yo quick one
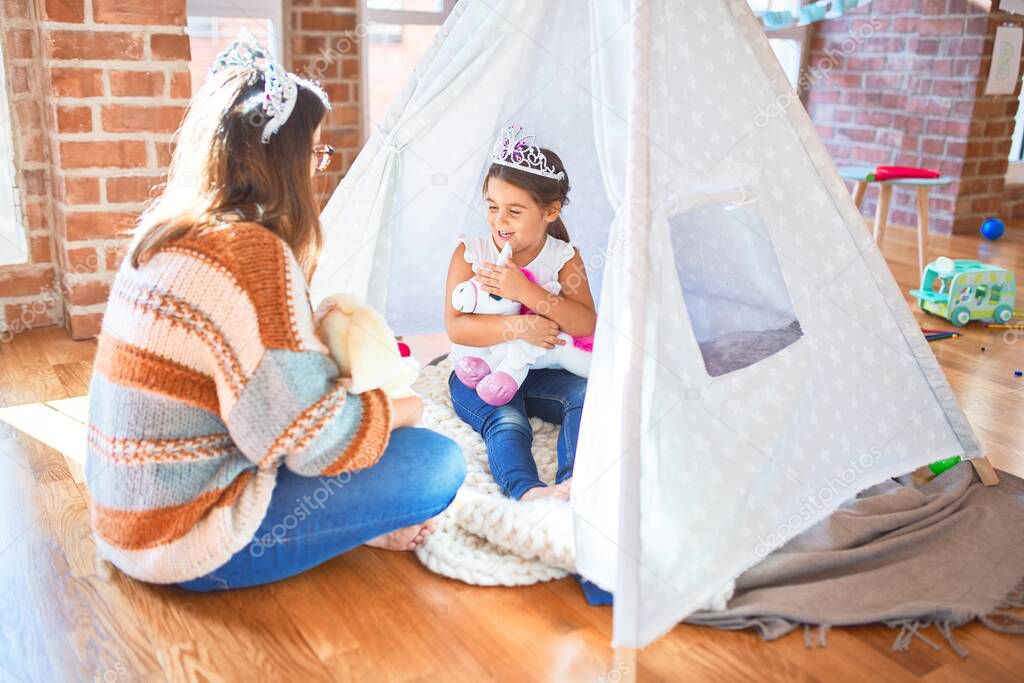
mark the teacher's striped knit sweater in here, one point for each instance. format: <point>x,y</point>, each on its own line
<point>208,376</point>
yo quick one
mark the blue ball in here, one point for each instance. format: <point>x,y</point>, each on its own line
<point>993,228</point>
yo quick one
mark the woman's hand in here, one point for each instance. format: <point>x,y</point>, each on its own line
<point>508,282</point>
<point>534,329</point>
<point>406,411</point>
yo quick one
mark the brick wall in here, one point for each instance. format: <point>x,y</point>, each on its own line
<point>905,87</point>
<point>322,43</point>
<point>113,85</point>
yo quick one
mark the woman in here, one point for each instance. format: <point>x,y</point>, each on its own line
<point>224,449</point>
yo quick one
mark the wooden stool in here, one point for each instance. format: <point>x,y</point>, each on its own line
<point>859,175</point>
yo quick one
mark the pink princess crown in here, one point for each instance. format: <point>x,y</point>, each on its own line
<point>516,149</point>
<point>280,87</point>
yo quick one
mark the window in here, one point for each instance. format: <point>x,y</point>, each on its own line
<point>979,295</point>
<point>787,43</point>
<point>735,294</point>
<point>1015,171</point>
<point>213,24</point>
<point>996,295</point>
<point>13,248</point>
<point>399,33</point>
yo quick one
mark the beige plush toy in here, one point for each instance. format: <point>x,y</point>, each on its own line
<point>364,347</point>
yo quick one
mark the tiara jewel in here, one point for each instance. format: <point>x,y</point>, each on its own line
<point>280,87</point>
<point>516,149</point>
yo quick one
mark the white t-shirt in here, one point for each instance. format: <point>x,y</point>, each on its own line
<point>480,249</point>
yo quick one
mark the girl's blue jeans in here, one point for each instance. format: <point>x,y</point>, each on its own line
<point>552,395</point>
<point>312,519</point>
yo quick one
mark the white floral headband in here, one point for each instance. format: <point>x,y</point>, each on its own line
<point>280,87</point>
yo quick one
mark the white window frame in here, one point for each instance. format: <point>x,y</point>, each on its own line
<point>251,9</point>
<point>388,16</point>
<point>12,224</point>
<point>1015,169</point>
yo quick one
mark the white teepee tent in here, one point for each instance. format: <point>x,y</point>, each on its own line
<point>705,207</point>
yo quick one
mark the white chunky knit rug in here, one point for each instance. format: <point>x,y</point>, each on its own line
<point>485,538</point>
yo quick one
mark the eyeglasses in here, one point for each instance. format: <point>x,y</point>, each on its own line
<point>323,153</point>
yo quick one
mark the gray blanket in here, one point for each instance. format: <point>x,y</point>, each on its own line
<point>937,554</point>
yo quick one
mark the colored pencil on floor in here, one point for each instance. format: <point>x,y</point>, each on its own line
<point>937,337</point>
<point>929,331</point>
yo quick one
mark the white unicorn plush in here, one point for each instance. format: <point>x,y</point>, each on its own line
<point>499,370</point>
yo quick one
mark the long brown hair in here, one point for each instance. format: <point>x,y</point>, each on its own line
<point>545,191</point>
<point>221,173</point>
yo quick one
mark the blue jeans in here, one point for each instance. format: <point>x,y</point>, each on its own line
<point>312,519</point>
<point>552,395</point>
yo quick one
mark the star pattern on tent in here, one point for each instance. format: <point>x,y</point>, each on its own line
<point>773,430</point>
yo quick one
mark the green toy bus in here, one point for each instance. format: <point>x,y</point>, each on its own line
<point>963,290</point>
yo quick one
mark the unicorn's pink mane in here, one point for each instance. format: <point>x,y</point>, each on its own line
<point>582,343</point>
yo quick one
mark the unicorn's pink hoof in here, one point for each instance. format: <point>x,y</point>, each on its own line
<point>497,388</point>
<point>471,369</point>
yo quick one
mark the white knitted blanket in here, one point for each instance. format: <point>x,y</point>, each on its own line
<point>484,537</point>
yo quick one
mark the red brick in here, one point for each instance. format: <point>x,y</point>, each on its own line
<point>884,81</point>
<point>952,128</point>
<point>163,153</point>
<point>308,45</point>
<point>164,12</point>
<point>34,181</point>
<point>170,46</point>
<point>338,92</point>
<point>83,260</point>
<point>181,85</point>
<point>32,147</point>
<point>83,292</point>
<point>84,225</point>
<point>35,216</point>
<point>858,134</point>
<point>39,248</point>
<point>350,68</point>
<point>952,88</point>
<point>20,81</point>
<point>950,26</point>
<point>26,282</point>
<point>40,313</point>
<point>120,118</point>
<point>72,11</point>
<point>344,115</point>
<point>85,325</point>
<point>18,43</point>
<point>103,154</point>
<point>28,115</point>
<point>94,45</point>
<point>78,190</point>
<point>17,9</point>
<point>327,21</point>
<point>76,82</point>
<point>134,189</point>
<point>114,257</point>
<point>933,145</point>
<point>136,83</point>
<point>74,119</point>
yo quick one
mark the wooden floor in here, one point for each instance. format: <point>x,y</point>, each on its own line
<point>372,615</point>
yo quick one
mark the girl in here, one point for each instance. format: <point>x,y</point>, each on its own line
<point>224,449</point>
<point>525,189</point>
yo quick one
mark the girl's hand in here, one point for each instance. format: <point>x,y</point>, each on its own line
<point>506,281</point>
<point>534,329</point>
<point>406,411</point>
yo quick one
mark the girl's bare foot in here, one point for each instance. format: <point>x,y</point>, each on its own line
<point>558,491</point>
<point>409,538</point>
